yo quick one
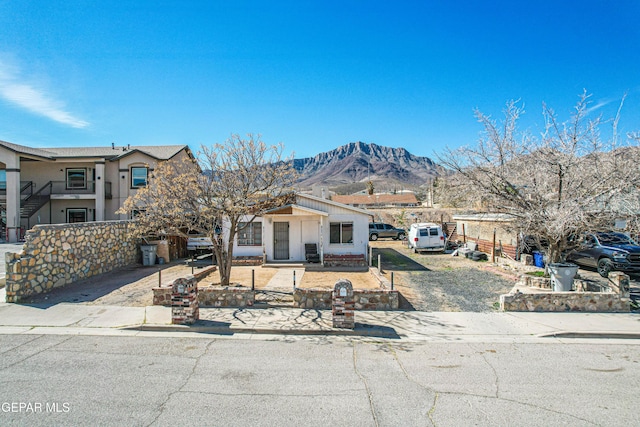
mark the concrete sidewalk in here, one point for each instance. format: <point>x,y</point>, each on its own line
<point>70,318</point>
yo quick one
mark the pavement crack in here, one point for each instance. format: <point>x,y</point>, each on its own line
<point>530,405</point>
<point>366,385</point>
<point>496,380</point>
<point>35,337</point>
<point>36,353</point>
<point>432,410</point>
<point>178,389</point>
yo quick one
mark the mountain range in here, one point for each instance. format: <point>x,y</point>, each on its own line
<point>361,162</point>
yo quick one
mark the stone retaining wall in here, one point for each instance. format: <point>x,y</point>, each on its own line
<point>211,297</point>
<point>60,254</point>
<point>565,301</point>
<point>364,299</point>
<point>612,299</point>
<point>247,260</point>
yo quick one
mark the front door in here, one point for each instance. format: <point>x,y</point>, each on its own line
<point>280,240</point>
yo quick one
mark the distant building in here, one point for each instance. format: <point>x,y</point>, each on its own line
<point>80,184</point>
<point>378,200</point>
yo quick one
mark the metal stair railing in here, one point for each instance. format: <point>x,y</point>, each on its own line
<point>35,201</point>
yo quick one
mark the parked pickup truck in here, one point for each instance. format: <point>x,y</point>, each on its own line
<point>607,252</point>
<point>199,244</point>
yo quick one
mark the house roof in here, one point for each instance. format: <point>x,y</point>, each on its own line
<point>21,149</point>
<point>376,199</point>
<point>294,210</point>
<point>334,203</point>
<point>485,216</point>
<point>158,152</point>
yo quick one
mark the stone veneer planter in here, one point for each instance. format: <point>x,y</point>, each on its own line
<point>211,296</point>
<point>612,299</point>
<point>60,254</point>
<point>364,299</point>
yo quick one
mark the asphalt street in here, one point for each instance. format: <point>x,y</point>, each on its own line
<point>313,381</point>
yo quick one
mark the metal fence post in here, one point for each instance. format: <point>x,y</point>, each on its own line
<point>379,264</point>
<point>392,280</point>
<point>253,279</point>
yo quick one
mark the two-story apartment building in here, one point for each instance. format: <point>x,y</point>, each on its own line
<point>60,185</point>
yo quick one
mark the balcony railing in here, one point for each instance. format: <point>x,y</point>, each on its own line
<point>59,187</point>
<point>88,187</point>
<point>26,188</point>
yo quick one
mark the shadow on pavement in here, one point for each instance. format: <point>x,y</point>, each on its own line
<point>404,304</point>
<point>95,287</point>
<point>394,260</point>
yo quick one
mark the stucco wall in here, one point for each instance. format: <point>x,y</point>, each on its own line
<point>57,255</point>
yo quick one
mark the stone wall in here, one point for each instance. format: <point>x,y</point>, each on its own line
<point>586,296</point>
<point>565,301</point>
<point>60,254</point>
<point>211,296</point>
<point>364,299</point>
<point>247,260</point>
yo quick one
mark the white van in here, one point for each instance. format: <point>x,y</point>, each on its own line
<point>426,237</point>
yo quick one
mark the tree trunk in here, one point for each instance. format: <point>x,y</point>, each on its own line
<point>228,263</point>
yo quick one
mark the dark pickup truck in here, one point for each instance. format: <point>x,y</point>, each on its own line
<point>607,252</point>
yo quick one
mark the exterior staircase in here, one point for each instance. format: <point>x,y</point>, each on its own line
<point>30,202</point>
<point>35,201</point>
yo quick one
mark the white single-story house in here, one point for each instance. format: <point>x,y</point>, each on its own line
<point>280,234</point>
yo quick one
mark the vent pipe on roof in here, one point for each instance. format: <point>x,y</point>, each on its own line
<point>113,145</point>
<point>128,146</point>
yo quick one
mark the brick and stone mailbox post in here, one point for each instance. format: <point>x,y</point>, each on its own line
<point>184,301</point>
<point>342,305</point>
<point>619,283</point>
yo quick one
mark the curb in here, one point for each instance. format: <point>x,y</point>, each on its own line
<point>359,331</point>
<point>605,335</point>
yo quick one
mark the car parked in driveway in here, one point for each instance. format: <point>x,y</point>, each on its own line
<point>199,244</point>
<point>426,237</point>
<point>379,230</point>
<point>607,252</point>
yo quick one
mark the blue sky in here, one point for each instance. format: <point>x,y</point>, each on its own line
<point>313,75</point>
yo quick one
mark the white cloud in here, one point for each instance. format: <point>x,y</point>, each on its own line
<point>32,99</point>
<point>599,105</point>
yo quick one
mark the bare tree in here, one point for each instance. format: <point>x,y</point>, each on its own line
<point>217,195</point>
<point>370,188</point>
<point>561,184</point>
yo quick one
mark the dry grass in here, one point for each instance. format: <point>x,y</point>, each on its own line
<point>242,275</point>
<point>327,279</point>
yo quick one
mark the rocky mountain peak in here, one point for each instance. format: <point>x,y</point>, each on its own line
<point>360,161</point>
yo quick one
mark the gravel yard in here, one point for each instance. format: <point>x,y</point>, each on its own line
<point>440,282</point>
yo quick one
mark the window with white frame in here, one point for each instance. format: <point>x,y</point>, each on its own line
<point>341,233</point>
<point>139,175</point>
<point>250,234</point>
<point>76,179</point>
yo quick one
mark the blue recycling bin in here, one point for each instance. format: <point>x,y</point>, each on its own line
<point>538,259</point>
